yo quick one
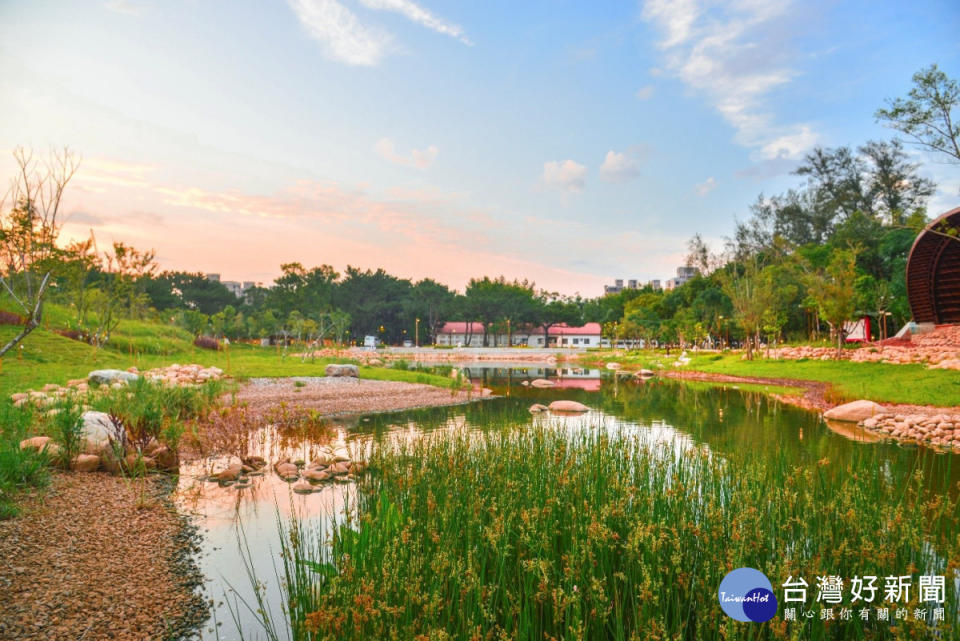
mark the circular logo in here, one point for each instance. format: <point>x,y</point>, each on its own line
<point>747,595</point>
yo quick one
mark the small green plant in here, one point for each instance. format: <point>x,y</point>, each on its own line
<point>67,427</point>
<point>19,469</point>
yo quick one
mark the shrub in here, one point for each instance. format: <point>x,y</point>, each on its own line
<point>206,342</point>
<point>72,334</point>
<point>9,318</point>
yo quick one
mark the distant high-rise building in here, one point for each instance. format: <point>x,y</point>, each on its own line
<point>239,289</point>
<point>618,286</point>
<point>684,273</point>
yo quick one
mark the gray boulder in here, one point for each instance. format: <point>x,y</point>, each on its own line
<point>342,370</point>
<point>108,376</point>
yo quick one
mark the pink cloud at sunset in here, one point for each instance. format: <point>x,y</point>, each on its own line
<point>413,233</point>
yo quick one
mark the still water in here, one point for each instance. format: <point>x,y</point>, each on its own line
<point>240,525</point>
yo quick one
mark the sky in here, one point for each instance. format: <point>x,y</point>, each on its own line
<point>566,143</point>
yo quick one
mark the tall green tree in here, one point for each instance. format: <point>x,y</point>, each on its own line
<point>926,116</point>
<point>432,303</point>
<point>833,288</point>
<point>743,286</point>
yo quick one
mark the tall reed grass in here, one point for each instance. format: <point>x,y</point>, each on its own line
<point>541,533</point>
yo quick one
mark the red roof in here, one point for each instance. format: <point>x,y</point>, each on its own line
<point>590,329</point>
<point>460,327</point>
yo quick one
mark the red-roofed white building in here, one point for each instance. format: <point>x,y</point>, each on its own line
<point>470,334</point>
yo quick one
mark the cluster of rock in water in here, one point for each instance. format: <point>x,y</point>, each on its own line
<point>331,464</point>
<point>939,349</point>
<point>941,429</point>
<point>99,434</point>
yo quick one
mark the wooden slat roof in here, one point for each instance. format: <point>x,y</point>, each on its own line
<point>933,271</point>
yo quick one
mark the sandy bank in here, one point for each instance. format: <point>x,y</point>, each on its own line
<point>334,396</point>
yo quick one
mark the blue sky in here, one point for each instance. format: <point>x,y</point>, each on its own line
<point>565,142</point>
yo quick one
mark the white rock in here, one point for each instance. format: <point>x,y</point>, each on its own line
<point>568,406</point>
<point>542,383</point>
<point>855,412</point>
<point>97,431</point>
<point>107,376</point>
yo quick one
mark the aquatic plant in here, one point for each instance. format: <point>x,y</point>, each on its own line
<point>546,533</point>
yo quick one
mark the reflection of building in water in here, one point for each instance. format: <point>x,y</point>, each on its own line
<point>470,334</point>
<point>562,377</point>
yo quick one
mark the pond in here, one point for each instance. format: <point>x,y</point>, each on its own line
<point>239,527</point>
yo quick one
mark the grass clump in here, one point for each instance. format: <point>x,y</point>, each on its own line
<point>543,534</point>
<point>19,469</point>
<point>150,410</point>
<point>67,428</point>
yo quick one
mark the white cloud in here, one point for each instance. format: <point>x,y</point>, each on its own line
<point>706,186</point>
<point>421,16</point>
<point>618,166</point>
<point>124,6</point>
<point>418,158</point>
<point>675,17</point>
<point>342,36</point>
<point>645,93</point>
<point>733,54</point>
<point>345,39</point>
<point>791,145</point>
<point>564,175</point>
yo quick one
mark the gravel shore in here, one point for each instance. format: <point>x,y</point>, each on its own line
<point>333,396</point>
<point>98,557</point>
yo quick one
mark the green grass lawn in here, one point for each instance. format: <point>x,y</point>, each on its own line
<point>879,382</point>
<point>47,357</point>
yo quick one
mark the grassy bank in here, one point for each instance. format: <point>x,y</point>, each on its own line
<point>536,534</point>
<point>47,357</point>
<point>880,382</point>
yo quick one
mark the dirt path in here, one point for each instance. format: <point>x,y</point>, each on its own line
<point>97,557</point>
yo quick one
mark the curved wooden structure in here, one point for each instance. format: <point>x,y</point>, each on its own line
<point>933,271</point>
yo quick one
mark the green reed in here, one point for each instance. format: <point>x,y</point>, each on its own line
<point>540,533</point>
